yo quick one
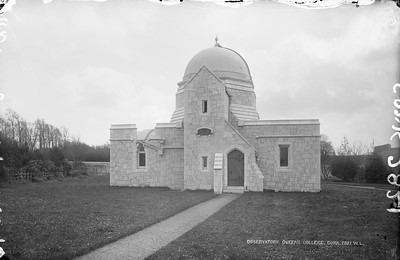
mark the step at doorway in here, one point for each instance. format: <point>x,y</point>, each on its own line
<point>233,189</point>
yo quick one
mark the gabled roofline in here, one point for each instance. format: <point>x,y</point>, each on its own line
<point>215,76</point>
<point>241,136</point>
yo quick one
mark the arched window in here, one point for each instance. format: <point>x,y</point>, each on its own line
<point>204,131</point>
<point>141,156</point>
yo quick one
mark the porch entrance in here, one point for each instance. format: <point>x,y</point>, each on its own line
<point>236,168</point>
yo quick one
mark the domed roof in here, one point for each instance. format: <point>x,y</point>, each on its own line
<point>222,61</point>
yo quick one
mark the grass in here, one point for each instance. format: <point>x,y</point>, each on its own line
<point>385,185</point>
<point>336,214</point>
<point>65,219</point>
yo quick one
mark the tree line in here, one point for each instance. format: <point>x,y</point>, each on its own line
<point>42,146</point>
<point>36,135</point>
<point>352,162</point>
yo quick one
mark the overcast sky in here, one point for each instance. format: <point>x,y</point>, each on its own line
<point>87,65</point>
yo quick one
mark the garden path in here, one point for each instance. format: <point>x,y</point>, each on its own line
<point>147,241</point>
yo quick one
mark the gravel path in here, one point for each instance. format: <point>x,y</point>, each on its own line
<point>155,237</point>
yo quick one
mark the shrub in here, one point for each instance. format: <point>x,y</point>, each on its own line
<point>344,168</point>
<point>33,166</point>
<point>38,179</point>
<point>37,168</point>
<point>376,170</point>
<point>4,175</point>
<point>66,168</point>
<point>79,172</point>
<point>55,155</point>
<point>49,166</point>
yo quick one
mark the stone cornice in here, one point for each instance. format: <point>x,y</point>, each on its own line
<point>169,125</point>
<point>122,139</point>
<point>123,126</point>
<point>279,122</point>
<point>286,136</point>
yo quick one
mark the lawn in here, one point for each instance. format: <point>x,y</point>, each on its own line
<point>64,219</point>
<point>338,223</point>
<point>386,185</point>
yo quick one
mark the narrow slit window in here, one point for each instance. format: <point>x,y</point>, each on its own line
<point>204,106</point>
<point>284,156</point>
<point>142,156</point>
<point>204,162</point>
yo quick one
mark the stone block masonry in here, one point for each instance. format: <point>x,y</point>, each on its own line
<point>215,139</point>
<point>122,153</point>
<point>97,167</point>
<point>303,141</point>
<point>224,138</point>
<point>164,158</point>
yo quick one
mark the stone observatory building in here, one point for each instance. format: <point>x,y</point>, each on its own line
<point>215,139</point>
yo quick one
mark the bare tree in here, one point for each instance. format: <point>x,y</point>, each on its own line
<point>327,152</point>
<point>344,148</point>
<point>12,117</point>
<point>64,135</point>
<point>48,135</point>
<point>40,127</point>
<point>24,139</point>
<point>4,126</point>
<point>32,135</point>
<point>360,148</point>
<point>16,126</point>
<point>57,137</point>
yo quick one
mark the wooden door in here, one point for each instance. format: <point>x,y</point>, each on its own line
<point>236,168</point>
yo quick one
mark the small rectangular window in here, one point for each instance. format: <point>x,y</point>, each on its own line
<point>204,106</point>
<point>204,162</point>
<point>284,155</point>
<point>142,160</point>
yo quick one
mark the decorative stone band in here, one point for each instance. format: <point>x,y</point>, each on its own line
<point>123,126</point>
<point>178,115</point>
<point>169,125</point>
<point>173,147</point>
<point>218,161</point>
<point>238,82</point>
<point>240,111</point>
<point>229,83</point>
<point>238,87</point>
<point>122,139</point>
<point>220,74</point>
<point>244,112</point>
<point>286,136</point>
<point>279,122</point>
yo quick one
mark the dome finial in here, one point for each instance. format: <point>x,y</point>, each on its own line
<point>216,42</point>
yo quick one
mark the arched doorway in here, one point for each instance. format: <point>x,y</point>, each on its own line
<point>236,168</point>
